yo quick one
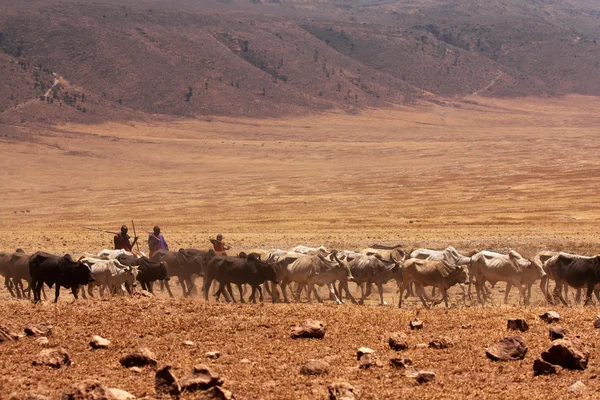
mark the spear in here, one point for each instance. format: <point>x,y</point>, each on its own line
<point>135,234</point>
<point>99,230</point>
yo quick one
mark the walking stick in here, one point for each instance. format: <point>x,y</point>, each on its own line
<point>135,234</point>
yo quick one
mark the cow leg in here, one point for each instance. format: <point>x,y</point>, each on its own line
<point>9,286</point>
<point>206,282</point>
<point>508,287</point>
<point>403,288</point>
<point>597,294</point>
<point>283,286</point>
<point>260,294</point>
<point>14,282</point>
<point>578,296</point>
<point>313,289</point>
<point>558,292</point>
<point>381,301</point>
<point>344,285</point>
<point>336,298</point>
<point>241,290</point>
<point>362,294</point>
<point>588,295</point>
<point>421,294</point>
<point>165,283</point>
<point>37,288</point>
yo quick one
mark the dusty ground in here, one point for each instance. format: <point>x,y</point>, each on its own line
<point>522,174</point>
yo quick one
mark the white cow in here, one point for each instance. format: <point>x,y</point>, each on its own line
<point>368,270</point>
<point>314,270</point>
<point>110,274</point>
<point>309,250</point>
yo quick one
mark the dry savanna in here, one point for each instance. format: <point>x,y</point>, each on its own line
<point>329,123</point>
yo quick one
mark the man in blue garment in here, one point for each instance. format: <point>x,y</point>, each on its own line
<point>156,241</point>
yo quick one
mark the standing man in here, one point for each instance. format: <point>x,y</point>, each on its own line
<point>219,245</point>
<point>156,241</point>
<point>122,241</point>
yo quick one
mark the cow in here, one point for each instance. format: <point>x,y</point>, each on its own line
<point>309,250</point>
<point>110,274</point>
<point>316,269</point>
<point>370,270</point>
<point>395,254</point>
<point>248,269</point>
<point>19,265</point>
<point>440,274</point>
<point>6,272</point>
<point>575,271</point>
<point>510,268</point>
<point>148,271</point>
<point>56,270</point>
<point>183,264</point>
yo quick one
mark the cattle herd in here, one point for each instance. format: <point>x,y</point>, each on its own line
<point>117,272</point>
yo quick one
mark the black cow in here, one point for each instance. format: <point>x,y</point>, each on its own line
<point>238,270</point>
<point>148,271</point>
<point>62,271</point>
<point>576,272</point>
<point>184,264</point>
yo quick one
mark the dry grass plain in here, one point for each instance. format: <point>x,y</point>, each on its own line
<point>490,174</point>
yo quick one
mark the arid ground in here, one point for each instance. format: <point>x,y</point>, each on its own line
<point>488,174</point>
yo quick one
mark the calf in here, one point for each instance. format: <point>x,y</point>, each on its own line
<point>148,271</point>
<point>59,271</point>
<point>439,274</point>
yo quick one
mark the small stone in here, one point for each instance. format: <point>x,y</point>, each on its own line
<point>165,382</point>
<point>137,370</point>
<point>213,355</point>
<point>42,341</point>
<point>143,293</point>
<point>202,378</point>
<point>421,376</point>
<point>398,341</point>
<point>466,326</point>
<point>315,367</point>
<point>245,361</point>
<point>415,323</point>
<point>577,387</point>
<point>518,324</point>
<point>99,342</point>
<point>342,391</point>
<point>557,332</point>
<point>118,394</point>
<point>55,358</point>
<point>216,393</point>
<point>421,345</point>
<point>550,317</point>
<point>541,367</point>
<point>443,342</point>
<point>87,390</point>
<point>597,322</point>
<point>511,348</point>
<point>362,351</point>
<point>188,343</point>
<point>309,329</point>
<point>139,358</point>
<point>369,360</point>
<point>569,353</point>
<point>39,330</point>
<point>400,363</point>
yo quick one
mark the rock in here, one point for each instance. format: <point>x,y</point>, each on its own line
<point>165,382</point>
<point>309,329</point>
<point>415,323</point>
<point>98,342</point>
<point>315,367</point>
<point>541,367</point>
<point>88,390</point>
<point>213,355</point>
<point>550,317</point>
<point>245,361</point>
<point>401,363</point>
<point>139,358</point>
<point>398,341</point>
<point>518,324</point>
<point>443,342</point>
<point>6,335</point>
<point>362,351</point>
<point>143,293</point>
<point>216,393</point>
<point>39,330</point>
<point>42,341</point>
<point>466,326</point>
<point>137,370</point>
<point>369,360</point>
<point>202,378</point>
<point>569,353</point>
<point>118,394</point>
<point>597,322</point>
<point>511,348</point>
<point>188,343</point>
<point>421,345</point>
<point>577,387</point>
<point>342,391</point>
<point>557,332</point>
<point>55,358</point>
<point>421,376</point>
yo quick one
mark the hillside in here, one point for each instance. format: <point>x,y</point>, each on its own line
<point>112,60</point>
